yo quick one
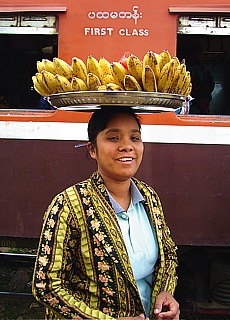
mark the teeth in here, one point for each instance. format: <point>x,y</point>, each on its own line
<point>126,159</point>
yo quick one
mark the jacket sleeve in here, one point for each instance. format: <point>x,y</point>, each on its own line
<point>55,262</point>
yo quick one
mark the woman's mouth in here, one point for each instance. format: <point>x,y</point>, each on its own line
<point>125,159</point>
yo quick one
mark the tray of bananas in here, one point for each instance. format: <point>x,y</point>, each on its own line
<point>155,83</point>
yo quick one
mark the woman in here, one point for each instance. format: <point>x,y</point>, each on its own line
<point>105,250</point>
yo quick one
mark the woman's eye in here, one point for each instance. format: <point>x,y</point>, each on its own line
<point>136,138</point>
<point>113,138</point>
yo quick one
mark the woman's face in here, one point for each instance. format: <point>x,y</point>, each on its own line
<point>119,148</point>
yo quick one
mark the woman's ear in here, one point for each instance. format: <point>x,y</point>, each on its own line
<point>91,149</point>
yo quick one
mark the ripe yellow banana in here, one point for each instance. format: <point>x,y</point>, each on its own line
<point>92,65</point>
<point>63,84</point>
<point>176,62</point>
<point>188,91</point>
<point>40,66</point>
<point>135,67</point>
<point>39,87</point>
<point>171,74</point>
<point>149,79</point>
<point>49,66</point>
<point>151,59</point>
<point>113,87</point>
<point>78,84</point>
<point>93,81</point>
<point>164,57</point>
<point>179,79</point>
<point>104,65</point>
<point>63,68</point>
<point>107,78</point>
<point>119,73</point>
<point>186,84</point>
<point>176,77</point>
<point>102,87</point>
<point>79,68</point>
<point>131,83</point>
<point>50,81</point>
<point>166,77</point>
<point>41,83</point>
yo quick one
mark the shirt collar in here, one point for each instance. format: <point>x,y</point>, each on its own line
<point>136,197</point>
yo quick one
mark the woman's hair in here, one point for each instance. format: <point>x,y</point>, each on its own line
<point>100,118</point>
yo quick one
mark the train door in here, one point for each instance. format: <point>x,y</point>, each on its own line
<point>207,38</point>
<point>24,39</point>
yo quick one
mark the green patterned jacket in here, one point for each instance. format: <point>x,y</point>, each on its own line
<point>82,269</point>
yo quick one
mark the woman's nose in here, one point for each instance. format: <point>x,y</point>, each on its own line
<point>126,147</point>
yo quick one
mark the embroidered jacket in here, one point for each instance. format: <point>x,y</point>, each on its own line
<point>82,269</point>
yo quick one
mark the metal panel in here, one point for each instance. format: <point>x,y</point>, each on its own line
<point>10,20</point>
<point>225,22</point>
<point>194,21</point>
<point>28,24</point>
<point>209,25</point>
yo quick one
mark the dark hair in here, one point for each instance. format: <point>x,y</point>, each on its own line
<point>100,118</point>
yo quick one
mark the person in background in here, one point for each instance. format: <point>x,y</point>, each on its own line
<point>105,249</point>
<point>202,80</point>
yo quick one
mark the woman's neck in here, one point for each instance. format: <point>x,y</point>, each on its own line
<point>120,191</point>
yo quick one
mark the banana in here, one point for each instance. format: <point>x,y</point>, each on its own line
<point>92,81</point>
<point>40,66</point>
<point>186,84</point>
<point>39,88</point>
<point>49,66</point>
<point>62,83</point>
<point>107,78</point>
<point>119,73</point>
<point>131,83</point>
<point>113,87</point>
<point>135,67</point>
<point>176,77</point>
<point>109,87</point>
<point>104,66</point>
<point>40,84</point>
<point>79,68</point>
<point>176,61</point>
<point>102,87</point>
<point>63,68</point>
<point>179,79</point>
<point>50,81</point>
<point>149,79</point>
<point>166,77</point>
<point>188,90</point>
<point>164,57</point>
<point>151,59</point>
<point>93,66</point>
<point>78,84</point>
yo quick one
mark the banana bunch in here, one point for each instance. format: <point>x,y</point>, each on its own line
<point>170,75</point>
<point>58,76</point>
<point>154,73</point>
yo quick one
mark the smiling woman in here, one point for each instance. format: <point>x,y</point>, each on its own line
<point>105,250</point>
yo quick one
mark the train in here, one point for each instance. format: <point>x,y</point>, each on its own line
<point>186,158</point>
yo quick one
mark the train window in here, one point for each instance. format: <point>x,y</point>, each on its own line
<point>24,39</point>
<point>204,42</point>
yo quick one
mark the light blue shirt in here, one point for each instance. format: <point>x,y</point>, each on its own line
<point>141,243</point>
